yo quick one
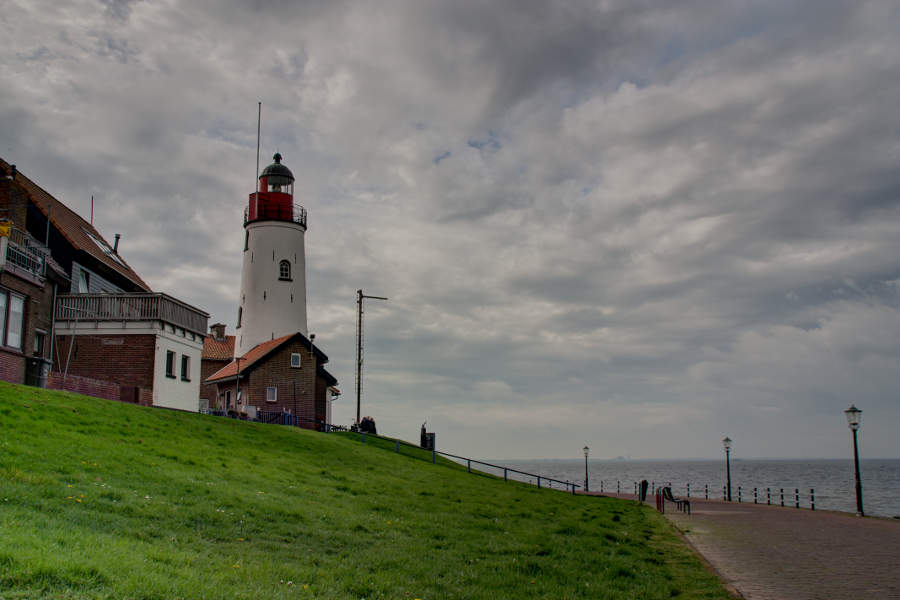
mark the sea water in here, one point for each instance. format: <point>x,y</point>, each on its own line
<point>832,480</point>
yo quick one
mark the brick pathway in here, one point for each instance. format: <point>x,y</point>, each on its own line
<point>774,553</point>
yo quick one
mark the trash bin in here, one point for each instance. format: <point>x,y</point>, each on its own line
<point>37,370</point>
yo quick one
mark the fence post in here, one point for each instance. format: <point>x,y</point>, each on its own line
<point>618,487</point>
<point>433,456</point>
<point>796,498</point>
<point>755,496</point>
<point>812,499</point>
<point>539,481</point>
<point>505,478</point>
<point>740,495</point>
<point>398,446</point>
<point>601,486</point>
<point>469,465</point>
<point>688,490</point>
<point>724,494</point>
<point>782,496</point>
<point>706,491</point>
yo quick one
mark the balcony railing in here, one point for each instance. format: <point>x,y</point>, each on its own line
<point>130,307</point>
<point>22,258</point>
<point>27,253</point>
<point>263,209</point>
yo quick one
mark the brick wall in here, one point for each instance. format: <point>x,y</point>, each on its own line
<point>38,303</point>
<point>84,385</point>
<point>207,368</point>
<point>276,370</point>
<point>14,199</point>
<point>123,359</point>
<point>12,366</point>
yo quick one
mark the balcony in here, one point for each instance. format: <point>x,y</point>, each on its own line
<point>130,307</point>
<point>274,207</point>
<point>27,253</point>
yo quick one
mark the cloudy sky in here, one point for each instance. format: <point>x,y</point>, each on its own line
<point>640,226</point>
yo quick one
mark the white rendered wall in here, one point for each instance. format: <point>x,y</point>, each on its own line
<point>168,392</point>
<point>269,307</point>
<point>176,392</point>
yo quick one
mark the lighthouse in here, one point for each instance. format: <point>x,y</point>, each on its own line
<point>273,275</point>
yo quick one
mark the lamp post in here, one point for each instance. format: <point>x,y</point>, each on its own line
<point>727,443</point>
<point>853,415</point>
<point>586,486</point>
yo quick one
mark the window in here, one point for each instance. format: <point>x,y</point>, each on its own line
<point>3,303</point>
<point>185,367</point>
<point>295,360</point>
<point>170,364</point>
<point>14,325</point>
<point>12,315</point>
<point>271,394</point>
<point>227,399</point>
<point>84,282</point>
<point>240,310</point>
<point>284,270</point>
<point>246,240</point>
<point>39,342</point>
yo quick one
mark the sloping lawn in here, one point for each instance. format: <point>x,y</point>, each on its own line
<point>101,499</point>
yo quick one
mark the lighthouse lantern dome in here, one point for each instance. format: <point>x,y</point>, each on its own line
<point>276,177</point>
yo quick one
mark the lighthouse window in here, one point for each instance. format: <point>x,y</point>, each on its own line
<point>246,240</point>
<point>284,270</point>
<point>240,310</point>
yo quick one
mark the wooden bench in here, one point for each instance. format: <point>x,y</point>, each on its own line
<point>682,504</point>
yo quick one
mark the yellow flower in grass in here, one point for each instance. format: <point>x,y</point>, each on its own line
<point>235,566</point>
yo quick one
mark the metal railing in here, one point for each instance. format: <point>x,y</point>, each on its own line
<point>26,252</point>
<point>130,307</point>
<point>780,496</point>
<point>270,210</point>
<point>19,256</point>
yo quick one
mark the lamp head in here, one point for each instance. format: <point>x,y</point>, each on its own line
<point>853,416</point>
<point>586,450</point>
<point>727,443</point>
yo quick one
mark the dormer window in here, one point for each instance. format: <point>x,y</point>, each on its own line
<point>284,270</point>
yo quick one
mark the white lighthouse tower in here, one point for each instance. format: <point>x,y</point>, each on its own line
<point>273,276</point>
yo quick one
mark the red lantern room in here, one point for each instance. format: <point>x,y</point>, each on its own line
<point>274,199</point>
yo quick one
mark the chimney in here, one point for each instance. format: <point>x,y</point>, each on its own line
<point>116,243</point>
<point>12,172</point>
<point>218,331</point>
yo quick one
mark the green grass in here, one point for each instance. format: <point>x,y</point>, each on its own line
<point>100,499</point>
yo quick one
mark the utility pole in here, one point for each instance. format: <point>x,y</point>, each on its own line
<point>359,345</point>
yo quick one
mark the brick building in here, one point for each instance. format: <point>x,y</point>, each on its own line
<point>69,300</point>
<point>218,351</point>
<point>284,375</point>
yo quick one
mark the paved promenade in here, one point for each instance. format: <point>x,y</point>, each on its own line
<point>774,553</point>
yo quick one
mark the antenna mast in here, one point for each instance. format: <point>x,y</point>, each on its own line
<point>359,345</point>
<point>258,124</point>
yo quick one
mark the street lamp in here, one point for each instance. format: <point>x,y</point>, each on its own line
<point>586,486</point>
<point>727,443</point>
<point>853,415</point>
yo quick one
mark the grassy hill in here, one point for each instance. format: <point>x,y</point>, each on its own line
<point>100,499</point>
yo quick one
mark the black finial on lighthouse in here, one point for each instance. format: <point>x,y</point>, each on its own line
<point>277,157</point>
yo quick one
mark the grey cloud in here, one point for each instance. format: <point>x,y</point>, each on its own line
<point>635,225</point>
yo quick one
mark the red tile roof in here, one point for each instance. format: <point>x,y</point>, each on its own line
<point>74,228</point>
<point>248,360</point>
<point>214,349</point>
